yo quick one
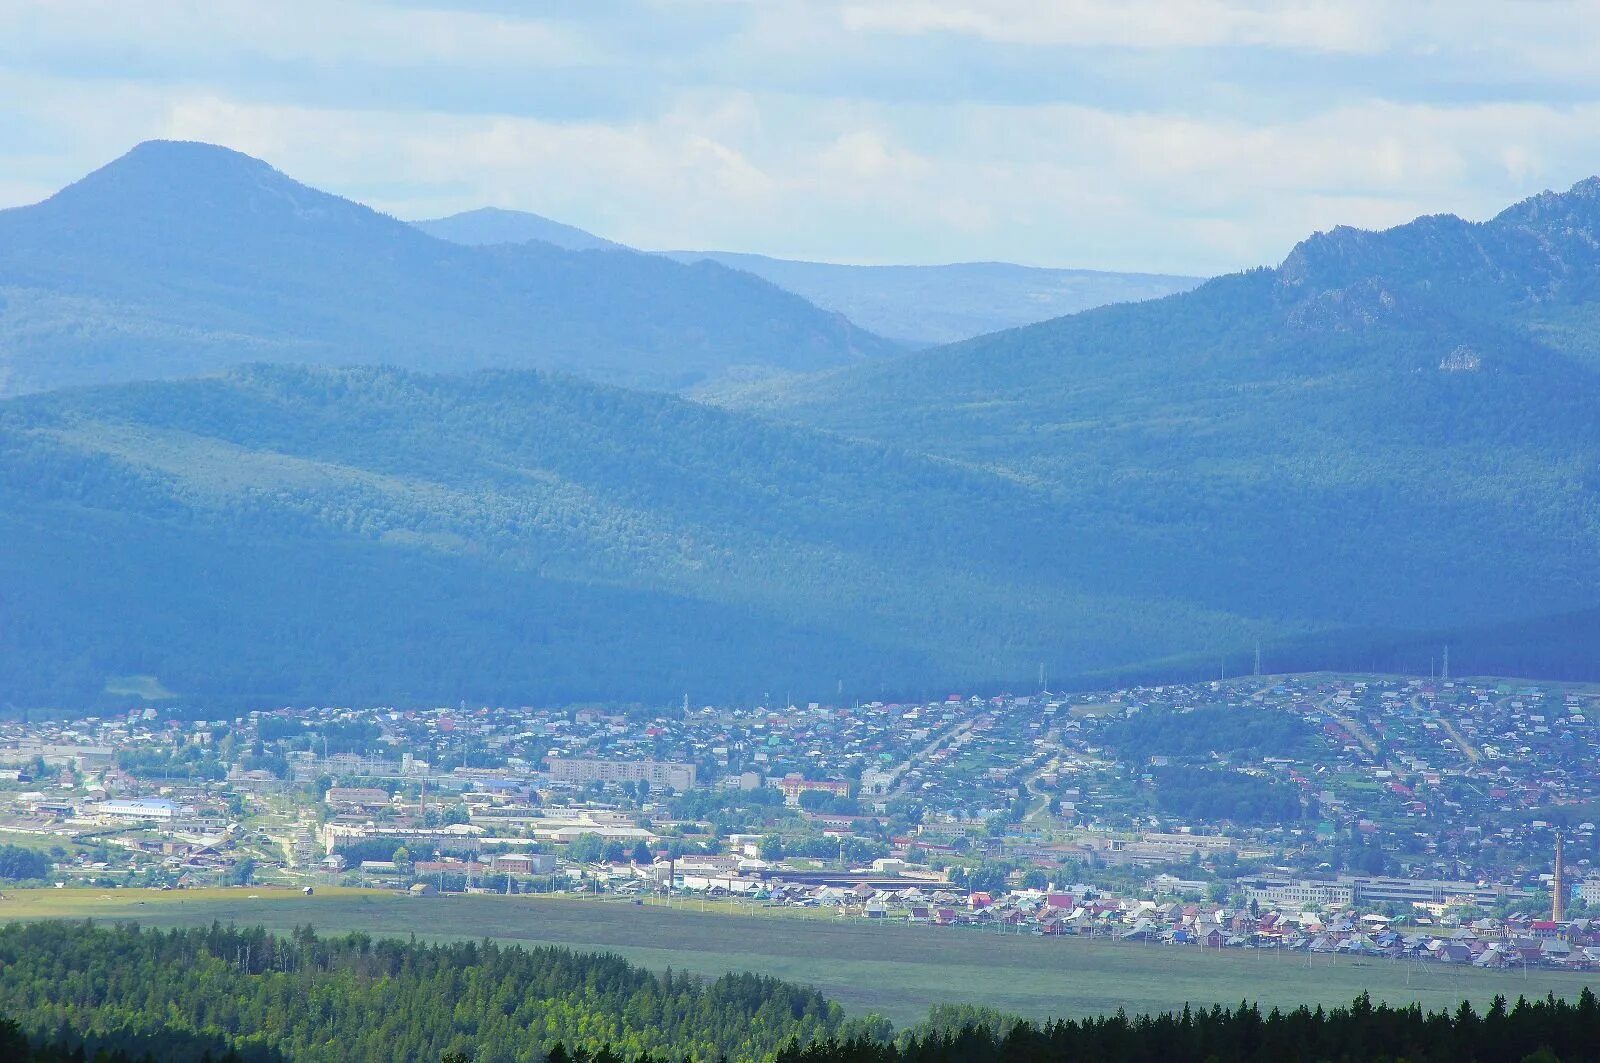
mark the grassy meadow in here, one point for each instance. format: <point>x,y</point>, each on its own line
<point>895,970</point>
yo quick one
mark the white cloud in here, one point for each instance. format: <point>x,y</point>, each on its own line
<point>197,33</point>
<point>839,166</point>
<point>1080,185</point>
<point>645,179</point>
<point>1311,25</point>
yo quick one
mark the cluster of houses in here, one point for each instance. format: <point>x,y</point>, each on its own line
<point>1436,773</point>
<point>1513,942</point>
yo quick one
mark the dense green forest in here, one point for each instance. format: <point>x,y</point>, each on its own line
<point>1216,795</point>
<point>182,258</point>
<point>352,999</point>
<point>19,863</point>
<point>1210,729</point>
<point>147,1045</point>
<point>1392,432</point>
<point>76,993</point>
<point>549,538</point>
<point>544,536</point>
<point>1539,1031</point>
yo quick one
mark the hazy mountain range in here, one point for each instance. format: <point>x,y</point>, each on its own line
<point>1391,428</point>
<point>918,305</point>
<point>491,225</point>
<point>368,533</point>
<point>183,258</point>
<point>1385,442</point>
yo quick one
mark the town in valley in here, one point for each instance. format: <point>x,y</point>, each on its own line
<point>1382,816</point>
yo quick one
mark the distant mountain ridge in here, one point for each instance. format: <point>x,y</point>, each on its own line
<point>491,225</point>
<point>183,258</point>
<point>919,305</point>
<point>1543,247</point>
<point>1387,441</point>
<point>928,305</point>
<point>1390,430</point>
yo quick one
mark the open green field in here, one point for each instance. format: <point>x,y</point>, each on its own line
<point>897,971</point>
<point>40,842</point>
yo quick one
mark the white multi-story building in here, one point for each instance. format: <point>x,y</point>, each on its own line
<point>582,770</point>
<point>139,810</point>
<point>1309,892</point>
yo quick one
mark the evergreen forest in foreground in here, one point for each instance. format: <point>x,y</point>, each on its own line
<point>78,992</point>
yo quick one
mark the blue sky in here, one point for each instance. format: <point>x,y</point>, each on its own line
<point>1172,135</point>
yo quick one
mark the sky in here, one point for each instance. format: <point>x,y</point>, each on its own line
<point>1183,136</point>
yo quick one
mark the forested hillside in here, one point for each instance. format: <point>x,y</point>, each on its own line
<point>179,259</point>
<point>507,536</point>
<point>147,1044</point>
<point>1393,430</point>
<point>547,538</point>
<point>1539,1031</point>
<point>309,999</point>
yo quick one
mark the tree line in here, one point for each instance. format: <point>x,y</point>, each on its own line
<point>78,993</point>
<point>350,999</point>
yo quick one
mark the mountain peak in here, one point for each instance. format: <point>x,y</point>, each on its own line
<point>1346,255</point>
<point>188,152</point>
<point>1577,207</point>
<point>186,257</point>
<point>167,189</point>
<point>167,166</point>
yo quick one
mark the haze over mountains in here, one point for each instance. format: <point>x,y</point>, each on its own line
<point>491,225</point>
<point>182,258</point>
<point>1386,441</point>
<point>373,534</point>
<point>919,305</point>
<point>1392,428</point>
